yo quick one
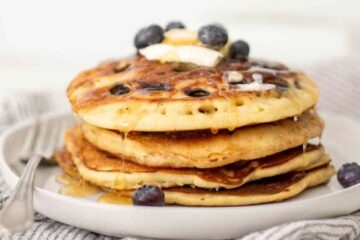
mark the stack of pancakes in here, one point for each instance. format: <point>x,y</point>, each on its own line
<point>195,132</point>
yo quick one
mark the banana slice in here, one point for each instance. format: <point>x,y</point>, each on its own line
<point>156,51</point>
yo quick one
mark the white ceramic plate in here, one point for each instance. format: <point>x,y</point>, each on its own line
<point>341,140</point>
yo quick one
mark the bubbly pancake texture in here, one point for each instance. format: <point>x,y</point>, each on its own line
<point>203,149</point>
<point>275,189</point>
<point>135,94</point>
<point>105,170</point>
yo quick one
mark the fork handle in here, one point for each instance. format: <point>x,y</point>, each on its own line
<point>17,215</point>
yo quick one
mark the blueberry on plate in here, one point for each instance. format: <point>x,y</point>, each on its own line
<point>213,35</point>
<point>174,25</point>
<point>148,195</point>
<point>349,174</point>
<point>239,50</point>
<point>148,36</point>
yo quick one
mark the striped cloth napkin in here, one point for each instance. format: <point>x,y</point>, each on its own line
<point>338,81</point>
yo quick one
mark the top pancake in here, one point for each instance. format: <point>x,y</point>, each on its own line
<point>165,96</point>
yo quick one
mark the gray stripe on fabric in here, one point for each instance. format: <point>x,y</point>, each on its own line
<point>81,234</point>
<point>34,231</point>
<point>65,232</point>
<point>311,237</point>
<point>43,230</point>
<point>48,228</point>
<point>88,235</point>
<point>354,220</point>
<point>39,227</point>
<point>100,237</point>
<point>56,233</point>
<point>29,233</point>
<point>271,232</point>
<point>322,234</point>
<point>71,235</point>
<point>332,225</point>
<point>77,234</point>
<point>70,232</point>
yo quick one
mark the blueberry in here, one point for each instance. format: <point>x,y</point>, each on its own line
<point>213,35</point>
<point>148,36</point>
<point>349,174</point>
<point>197,92</point>
<point>148,195</point>
<point>119,89</point>
<point>174,25</point>
<point>239,50</point>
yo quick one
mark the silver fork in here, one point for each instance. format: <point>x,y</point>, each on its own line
<point>17,215</point>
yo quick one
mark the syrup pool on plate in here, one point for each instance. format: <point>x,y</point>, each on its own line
<point>76,187</point>
<point>114,198</point>
<point>81,189</point>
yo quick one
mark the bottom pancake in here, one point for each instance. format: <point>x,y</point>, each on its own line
<point>109,171</point>
<point>267,190</point>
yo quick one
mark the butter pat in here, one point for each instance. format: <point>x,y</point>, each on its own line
<point>181,37</point>
<point>187,54</point>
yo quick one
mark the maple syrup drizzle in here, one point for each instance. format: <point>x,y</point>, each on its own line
<point>296,99</point>
<point>115,198</point>
<point>128,127</point>
<point>76,187</point>
<point>81,189</point>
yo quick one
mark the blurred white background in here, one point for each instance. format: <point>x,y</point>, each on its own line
<point>44,44</point>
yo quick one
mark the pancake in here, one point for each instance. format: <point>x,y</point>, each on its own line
<point>274,189</point>
<point>64,159</point>
<point>268,190</point>
<point>203,149</point>
<point>106,170</point>
<point>158,97</point>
